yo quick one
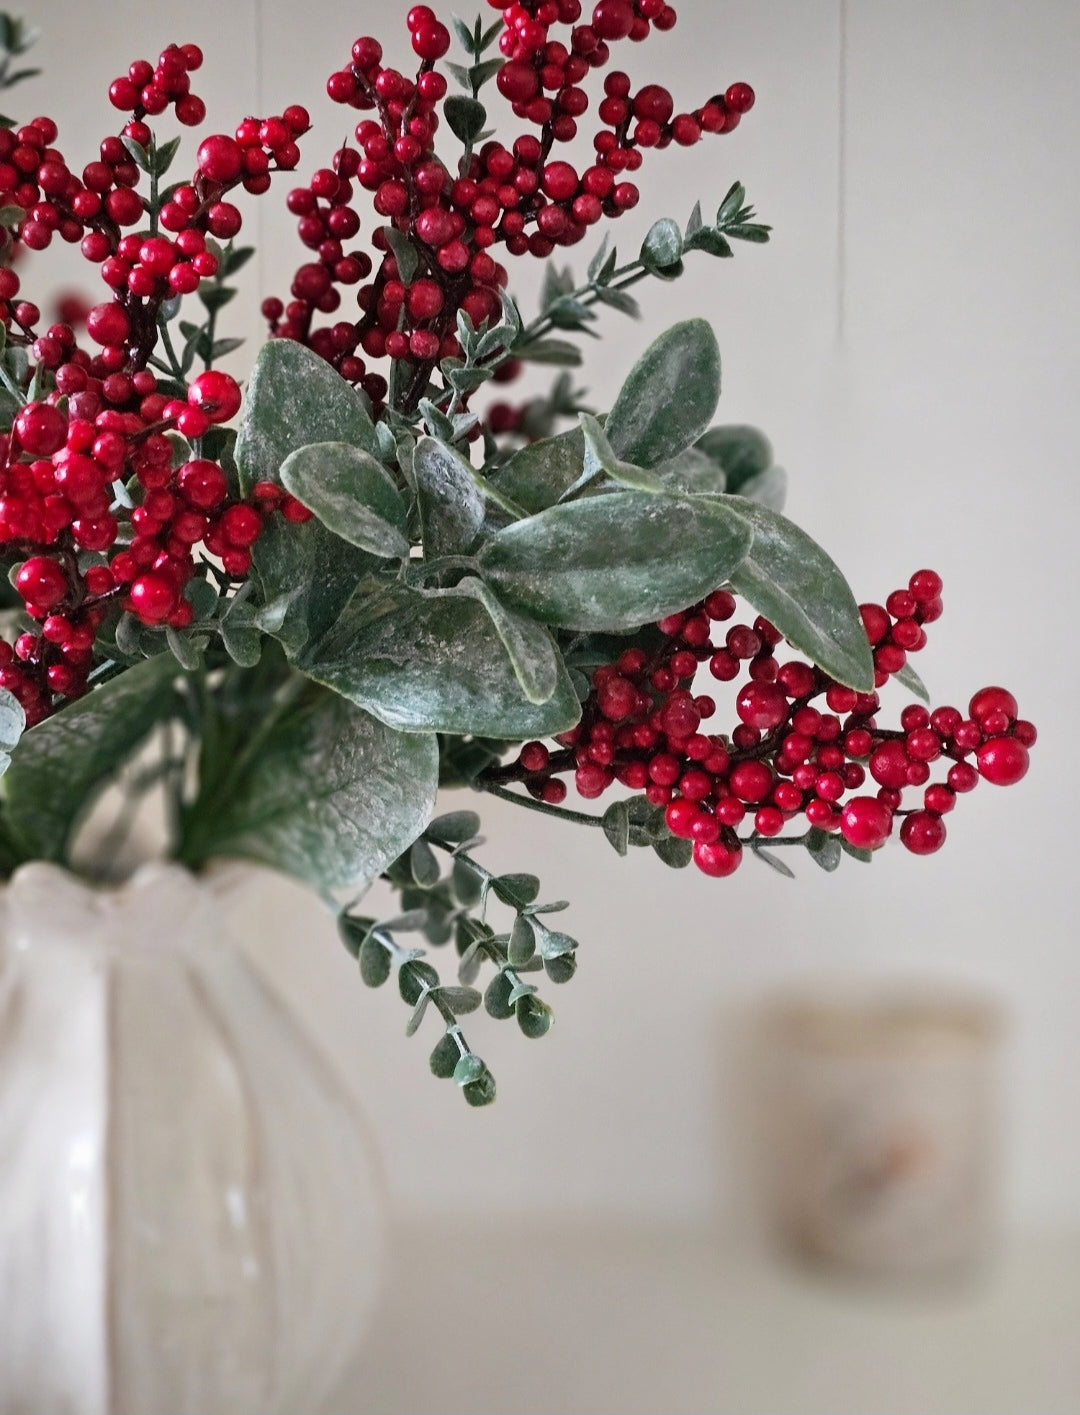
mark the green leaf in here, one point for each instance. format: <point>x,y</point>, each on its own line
<point>481,1091</point>
<point>444,1058</point>
<point>789,578</point>
<point>537,475</point>
<point>709,240</point>
<point>331,796</point>
<point>497,998</point>
<point>351,494</point>
<point>433,660</point>
<point>669,398</point>
<point>768,488</point>
<point>451,507</point>
<point>529,646</point>
<point>600,459</point>
<point>186,650</point>
<point>825,849</point>
<point>663,245</point>
<point>773,861</point>
<point>555,945</point>
<point>243,644</point>
<point>732,203</point>
<point>522,945</point>
<point>423,864</point>
<point>559,352</point>
<point>12,720</point>
<point>61,763</point>
<point>864,857</point>
<point>137,153</point>
<point>454,827</point>
<point>461,1001</point>
<point>674,852</point>
<point>620,300</point>
<point>465,117</point>
<point>909,679</point>
<point>295,399</point>
<point>534,1017</point>
<point>693,472</point>
<point>375,962</point>
<point>743,452</point>
<point>616,561</point>
<point>470,1068</point>
<point>405,253</point>
<point>617,826</point>
<point>562,969</point>
<point>517,891</point>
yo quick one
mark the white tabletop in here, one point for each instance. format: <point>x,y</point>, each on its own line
<point>581,1319</point>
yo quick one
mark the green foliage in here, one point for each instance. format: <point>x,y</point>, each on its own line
<point>452,907</point>
<point>670,396</point>
<point>62,762</point>
<point>351,494</point>
<point>615,561</point>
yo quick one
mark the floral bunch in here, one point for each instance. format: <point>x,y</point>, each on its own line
<point>300,607</point>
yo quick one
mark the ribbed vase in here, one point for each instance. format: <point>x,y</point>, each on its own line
<point>191,1214</point>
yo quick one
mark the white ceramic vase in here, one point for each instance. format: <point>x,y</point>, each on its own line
<point>191,1215</point>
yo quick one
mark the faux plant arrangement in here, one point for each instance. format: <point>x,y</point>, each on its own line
<point>359,578</point>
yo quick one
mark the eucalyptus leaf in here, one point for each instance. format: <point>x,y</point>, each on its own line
<point>768,488</point>
<point>60,764</point>
<point>444,1058</point>
<point>497,998</point>
<point>327,794</point>
<point>789,578</point>
<point>534,1017</point>
<point>663,244</point>
<point>617,826</point>
<point>451,507</point>
<point>12,720</point>
<point>529,646</point>
<point>616,561</point>
<point>670,396</point>
<point>825,849</point>
<point>538,474</point>
<point>522,945</point>
<point>375,963</point>
<point>433,660</point>
<point>469,1069</point>
<point>517,890</point>
<point>675,853</point>
<point>453,826</point>
<point>460,1001</point>
<point>743,452</point>
<point>351,494</point>
<point>294,398</point>
<point>909,679</point>
<point>465,117</point>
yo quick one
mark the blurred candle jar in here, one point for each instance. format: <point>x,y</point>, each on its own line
<point>882,1128</point>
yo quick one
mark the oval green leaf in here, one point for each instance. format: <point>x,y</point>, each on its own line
<point>351,494</point>
<point>669,398</point>
<point>799,588</point>
<point>615,562</point>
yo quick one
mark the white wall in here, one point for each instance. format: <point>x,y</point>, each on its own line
<point>935,426</point>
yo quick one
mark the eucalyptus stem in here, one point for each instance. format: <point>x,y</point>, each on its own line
<point>542,807</point>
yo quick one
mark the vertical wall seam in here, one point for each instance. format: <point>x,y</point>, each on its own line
<point>257,18</point>
<point>841,168</point>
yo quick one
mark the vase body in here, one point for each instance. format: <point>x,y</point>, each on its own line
<point>191,1215</point>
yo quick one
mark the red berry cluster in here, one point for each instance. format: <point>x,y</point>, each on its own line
<point>642,726</point>
<point>59,465</point>
<point>514,195</point>
<point>149,90</point>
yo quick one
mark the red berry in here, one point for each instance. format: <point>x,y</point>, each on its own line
<point>992,700</point>
<point>1003,761</point>
<point>215,394</point>
<point>718,859</point>
<point>220,158</point>
<point>923,833</point>
<point>762,705</point>
<point>41,582</point>
<point>41,429</point>
<point>241,526</point>
<point>613,19</point>
<point>153,597</point>
<point>740,98</point>
<point>865,822</point>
